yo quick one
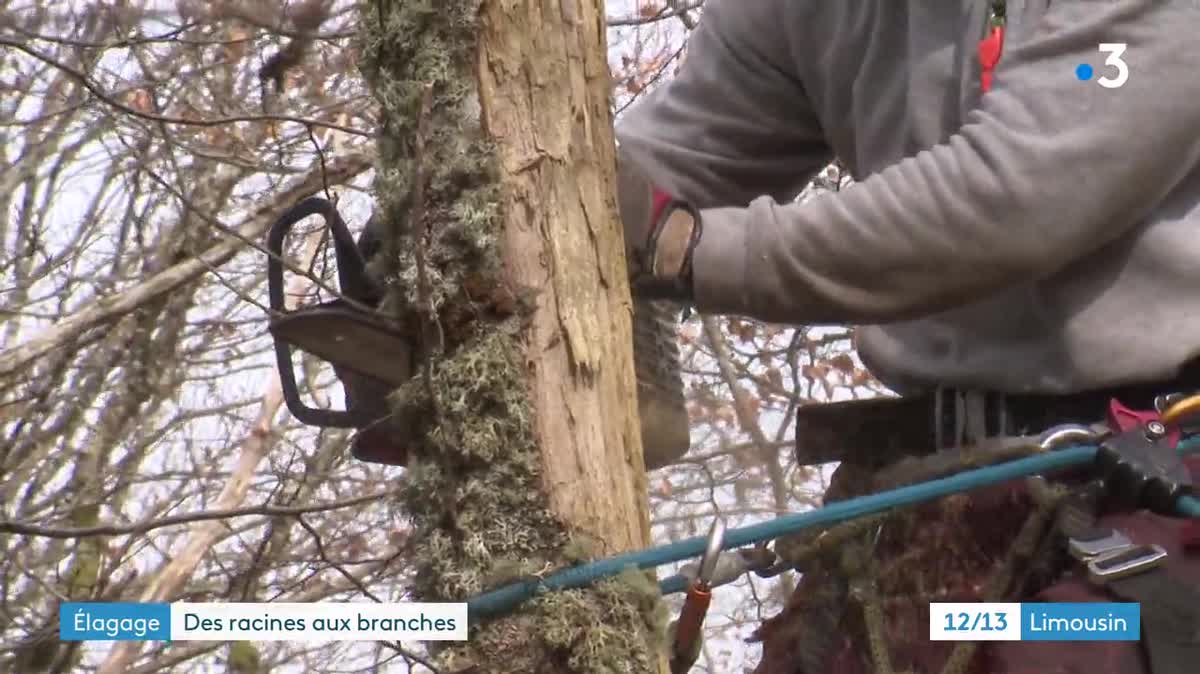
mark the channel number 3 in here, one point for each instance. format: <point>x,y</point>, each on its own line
<point>1114,60</point>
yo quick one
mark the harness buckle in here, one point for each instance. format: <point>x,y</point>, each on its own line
<point>1096,543</point>
<point>1125,562</point>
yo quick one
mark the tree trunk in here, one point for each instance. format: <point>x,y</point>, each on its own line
<point>495,189</point>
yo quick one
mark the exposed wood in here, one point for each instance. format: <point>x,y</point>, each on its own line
<point>544,90</point>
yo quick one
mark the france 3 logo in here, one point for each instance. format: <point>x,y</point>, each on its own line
<point>1119,74</point>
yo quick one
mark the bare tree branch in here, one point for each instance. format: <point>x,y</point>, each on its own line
<point>254,446</point>
<point>675,9</point>
<point>24,528</point>
<point>134,112</point>
<point>109,307</point>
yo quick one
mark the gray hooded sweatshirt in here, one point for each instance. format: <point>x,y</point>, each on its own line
<point>1041,237</point>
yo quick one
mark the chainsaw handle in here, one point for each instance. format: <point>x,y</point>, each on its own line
<point>311,416</point>
<point>353,281</point>
<point>352,268</point>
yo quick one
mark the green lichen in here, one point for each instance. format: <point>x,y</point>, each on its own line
<point>244,659</point>
<point>473,489</point>
<point>612,628</point>
<point>477,491</point>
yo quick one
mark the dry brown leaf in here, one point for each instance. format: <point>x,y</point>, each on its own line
<point>235,46</point>
<point>843,362</point>
<point>650,9</point>
<point>746,332</point>
<point>139,99</point>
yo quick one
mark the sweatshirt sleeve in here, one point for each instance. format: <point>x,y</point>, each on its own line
<point>1046,170</point>
<point>734,123</point>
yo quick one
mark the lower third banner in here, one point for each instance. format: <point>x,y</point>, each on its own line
<point>88,621</point>
<point>1093,621</point>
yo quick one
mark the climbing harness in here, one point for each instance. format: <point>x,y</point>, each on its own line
<point>369,355</point>
<point>1052,459</point>
<point>1134,462</point>
<point>1139,468</point>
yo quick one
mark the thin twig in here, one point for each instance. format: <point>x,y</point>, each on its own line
<point>218,121</point>
<point>658,73</point>
<point>69,328</point>
<point>404,652</point>
<point>27,529</point>
<point>320,283</point>
<point>353,580</point>
<point>743,409</point>
<point>240,294</point>
<point>350,578</point>
<point>37,578</point>
<point>683,11</point>
<point>321,156</point>
<point>676,9</point>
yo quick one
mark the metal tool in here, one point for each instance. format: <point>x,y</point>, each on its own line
<point>686,644</point>
<point>1125,562</point>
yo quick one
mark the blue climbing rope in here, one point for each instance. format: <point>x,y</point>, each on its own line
<point>1189,506</point>
<point>504,599</point>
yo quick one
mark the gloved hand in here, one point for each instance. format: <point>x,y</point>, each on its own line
<point>660,234</point>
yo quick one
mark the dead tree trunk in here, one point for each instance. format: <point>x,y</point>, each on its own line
<point>495,188</point>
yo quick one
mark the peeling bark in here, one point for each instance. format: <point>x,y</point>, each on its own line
<point>545,101</point>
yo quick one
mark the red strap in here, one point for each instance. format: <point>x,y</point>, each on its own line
<point>661,199</point>
<point>990,48</point>
<point>1122,419</point>
<point>691,618</point>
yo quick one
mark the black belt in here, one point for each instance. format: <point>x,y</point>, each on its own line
<point>879,430</point>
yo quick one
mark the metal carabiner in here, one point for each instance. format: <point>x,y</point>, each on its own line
<point>1124,562</point>
<point>1180,410</point>
<point>712,553</point>
<point>1066,435</point>
<point>685,648</point>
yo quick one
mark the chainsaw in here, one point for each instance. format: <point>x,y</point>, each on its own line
<point>372,356</point>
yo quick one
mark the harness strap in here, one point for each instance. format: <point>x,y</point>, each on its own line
<point>1170,608</point>
<point>1170,619</point>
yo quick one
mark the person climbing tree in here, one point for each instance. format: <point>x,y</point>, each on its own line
<point>1019,251</point>
<point>1016,251</point>
<point>1036,238</point>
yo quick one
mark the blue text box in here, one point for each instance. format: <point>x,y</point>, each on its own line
<point>115,621</point>
<point>1093,621</point>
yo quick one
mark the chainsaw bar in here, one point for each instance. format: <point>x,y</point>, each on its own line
<point>348,339</point>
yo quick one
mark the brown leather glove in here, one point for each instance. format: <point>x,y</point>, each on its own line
<point>660,234</point>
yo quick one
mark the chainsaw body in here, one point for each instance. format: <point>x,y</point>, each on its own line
<point>370,356</point>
